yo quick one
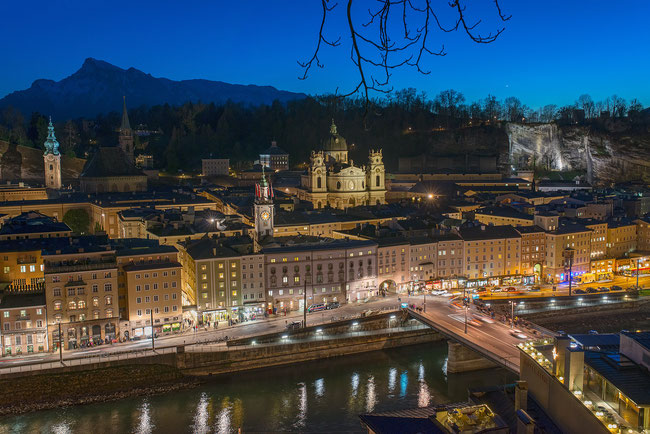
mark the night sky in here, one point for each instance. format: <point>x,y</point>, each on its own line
<point>551,52</point>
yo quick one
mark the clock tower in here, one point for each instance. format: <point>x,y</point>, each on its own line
<point>264,209</point>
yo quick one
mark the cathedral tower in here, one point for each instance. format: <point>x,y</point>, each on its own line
<point>52,160</point>
<point>126,134</point>
<point>317,172</point>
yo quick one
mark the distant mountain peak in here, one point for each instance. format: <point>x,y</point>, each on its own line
<point>98,85</point>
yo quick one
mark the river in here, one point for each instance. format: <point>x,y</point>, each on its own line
<point>325,395</point>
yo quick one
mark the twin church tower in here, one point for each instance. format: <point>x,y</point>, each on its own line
<point>52,156</point>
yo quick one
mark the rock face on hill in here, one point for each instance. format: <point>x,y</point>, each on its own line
<point>97,87</point>
<point>21,163</point>
<point>614,152</point>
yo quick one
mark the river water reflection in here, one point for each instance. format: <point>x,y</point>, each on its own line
<point>325,395</point>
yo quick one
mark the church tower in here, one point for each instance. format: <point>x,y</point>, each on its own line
<point>126,134</point>
<point>317,172</point>
<point>52,160</point>
<point>376,178</point>
<point>264,210</point>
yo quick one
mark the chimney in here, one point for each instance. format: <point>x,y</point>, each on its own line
<point>521,395</point>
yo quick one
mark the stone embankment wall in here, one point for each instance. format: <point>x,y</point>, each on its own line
<point>105,381</point>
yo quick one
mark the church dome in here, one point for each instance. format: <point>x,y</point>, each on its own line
<point>334,142</point>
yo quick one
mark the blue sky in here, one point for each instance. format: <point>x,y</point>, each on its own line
<point>551,52</point>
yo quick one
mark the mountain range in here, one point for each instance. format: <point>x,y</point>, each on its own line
<point>97,87</point>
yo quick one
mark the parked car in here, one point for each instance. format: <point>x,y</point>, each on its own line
<point>294,325</point>
<point>535,288</point>
<point>497,289</point>
<point>316,307</point>
<point>603,289</point>
<point>511,289</point>
<point>616,288</point>
<point>333,305</point>
<point>579,291</point>
<point>592,290</point>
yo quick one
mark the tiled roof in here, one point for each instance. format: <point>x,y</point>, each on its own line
<point>487,232</point>
<point>110,161</point>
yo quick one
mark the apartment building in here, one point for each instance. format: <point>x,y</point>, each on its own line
<point>81,292</point>
<point>598,237</point>
<point>393,263</point>
<point>149,288</point>
<point>252,278</point>
<point>643,234</point>
<point>213,274</point>
<point>21,264</point>
<point>23,324</point>
<point>568,240</point>
<point>621,237</point>
<point>332,270</point>
<point>491,252</point>
<point>533,251</point>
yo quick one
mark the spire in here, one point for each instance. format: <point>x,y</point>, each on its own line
<point>51,144</point>
<point>333,127</point>
<point>263,182</point>
<point>125,116</point>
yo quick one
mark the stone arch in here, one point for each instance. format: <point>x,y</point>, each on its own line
<point>115,188</point>
<point>127,187</point>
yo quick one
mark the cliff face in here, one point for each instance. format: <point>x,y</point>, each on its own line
<point>612,154</point>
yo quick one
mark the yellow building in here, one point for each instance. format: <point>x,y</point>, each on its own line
<point>153,291</point>
<point>621,238</point>
<point>491,252</point>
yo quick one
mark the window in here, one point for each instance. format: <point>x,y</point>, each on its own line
<point>72,305</point>
<point>57,292</point>
<point>155,286</point>
<point>146,287</point>
<point>95,288</point>
<point>173,284</point>
<point>138,300</point>
<point>23,268</point>
<point>155,298</point>
<point>108,300</point>
<point>166,309</point>
<point>139,312</point>
<point>107,275</point>
<point>57,305</point>
<point>174,296</point>
<point>71,292</point>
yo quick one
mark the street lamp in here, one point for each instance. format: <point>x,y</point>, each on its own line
<point>512,315</point>
<point>568,258</point>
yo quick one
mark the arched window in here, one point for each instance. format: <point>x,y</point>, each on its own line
<point>377,180</point>
<point>319,183</point>
<point>51,167</point>
<point>338,185</point>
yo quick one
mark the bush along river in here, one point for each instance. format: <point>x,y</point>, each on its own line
<point>320,396</point>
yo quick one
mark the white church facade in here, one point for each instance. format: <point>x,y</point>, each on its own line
<point>333,180</point>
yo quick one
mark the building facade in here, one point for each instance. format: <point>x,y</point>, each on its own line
<point>275,158</point>
<point>81,293</point>
<point>23,324</point>
<point>333,180</point>
<point>215,167</point>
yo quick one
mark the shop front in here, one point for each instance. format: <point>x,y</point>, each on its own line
<point>252,311</point>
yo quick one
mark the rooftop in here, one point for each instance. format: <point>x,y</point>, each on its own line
<point>14,301</point>
<point>487,232</point>
<point>110,161</point>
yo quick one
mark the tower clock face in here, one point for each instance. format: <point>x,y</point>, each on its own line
<point>265,215</point>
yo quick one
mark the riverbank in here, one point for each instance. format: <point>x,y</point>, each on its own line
<point>41,392</point>
<point>604,319</point>
<point>111,381</point>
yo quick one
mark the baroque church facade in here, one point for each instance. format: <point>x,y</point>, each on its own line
<point>333,180</point>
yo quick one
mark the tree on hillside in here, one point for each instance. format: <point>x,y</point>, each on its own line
<point>378,44</point>
<point>587,104</point>
<point>78,220</point>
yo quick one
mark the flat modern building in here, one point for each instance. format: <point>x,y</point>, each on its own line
<point>275,158</point>
<point>215,167</point>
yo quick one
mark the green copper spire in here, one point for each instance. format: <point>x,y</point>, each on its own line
<point>263,182</point>
<point>51,144</point>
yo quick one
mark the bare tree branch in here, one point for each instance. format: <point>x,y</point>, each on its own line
<point>373,48</point>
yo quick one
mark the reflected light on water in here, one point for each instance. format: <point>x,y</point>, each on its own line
<point>302,406</point>
<point>371,395</point>
<point>444,366</point>
<point>421,371</point>
<point>145,425</point>
<point>392,378</point>
<point>424,396</point>
<point>201,416</point>
<point>403,382</point>
<point>355,384</point>
<point>319,385</point>
<point>62,428</point>
<point>223,425</point>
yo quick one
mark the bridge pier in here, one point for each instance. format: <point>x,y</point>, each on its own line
<point>462,359</point>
